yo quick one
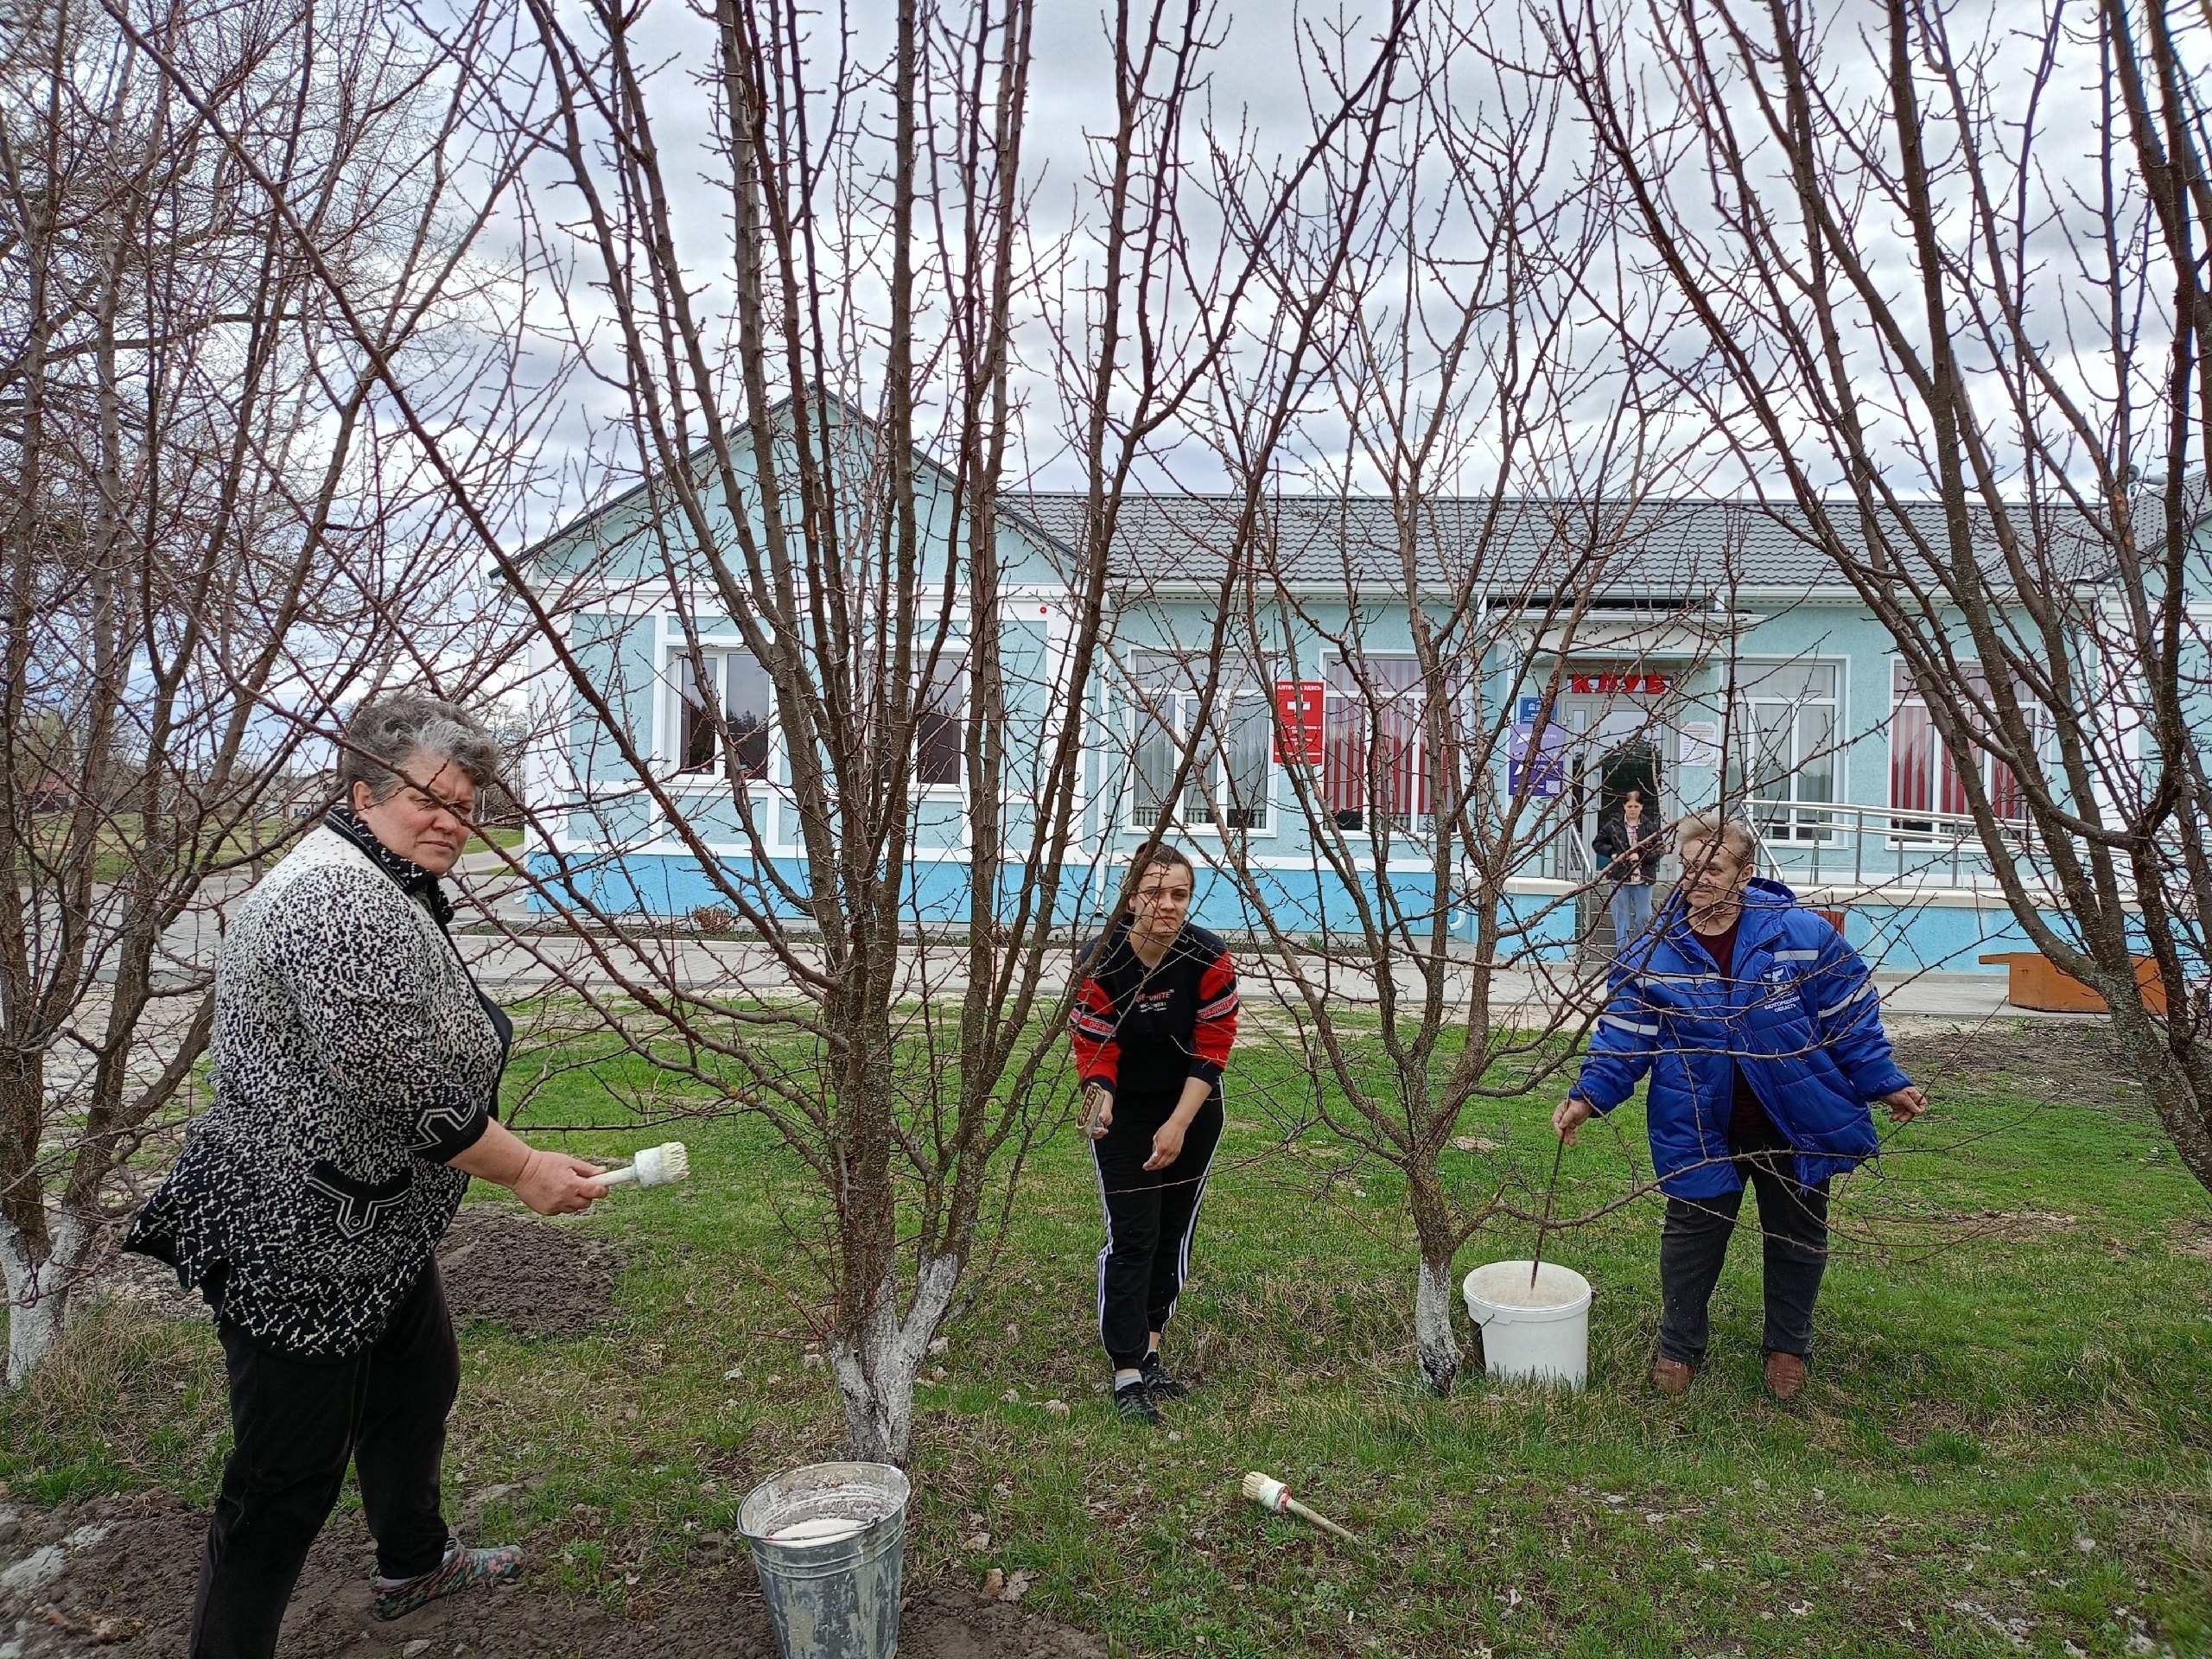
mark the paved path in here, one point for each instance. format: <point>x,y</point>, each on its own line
<point>498,938</point>
<point>523,963</point>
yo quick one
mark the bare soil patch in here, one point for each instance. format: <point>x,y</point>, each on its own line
<point>126,1591</point>
<point>2045,1059</point>
<point>537,1277</point>
<point>145,1283</point>
<point>2193,1236</point>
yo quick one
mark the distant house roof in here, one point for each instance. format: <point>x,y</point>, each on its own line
<point>1655,549</point>
<point>700,464</point>
<point>1650,550</point>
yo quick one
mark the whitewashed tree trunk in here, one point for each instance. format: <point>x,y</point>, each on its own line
<point>1437,1342</point>
<point>44,1288</point>
<point>875,1370</point>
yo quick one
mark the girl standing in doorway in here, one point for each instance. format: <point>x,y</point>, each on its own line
<point>1155,1015</point>
<point>1629,847</point>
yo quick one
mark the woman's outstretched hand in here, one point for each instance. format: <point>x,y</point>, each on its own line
<point>1906,1104</point>
<point>554,1183</point>
<point>1569,1115</point>
<point>551,1183</point>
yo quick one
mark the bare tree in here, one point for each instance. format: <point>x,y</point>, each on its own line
<point>865,726</point>
<point>1938,260</point>
<point>205,542</point>
<point>1492,489</point>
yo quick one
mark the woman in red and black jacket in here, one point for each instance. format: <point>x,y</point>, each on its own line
<point>1154,1017</point>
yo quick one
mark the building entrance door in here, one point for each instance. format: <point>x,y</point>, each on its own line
<point>1617,743</point>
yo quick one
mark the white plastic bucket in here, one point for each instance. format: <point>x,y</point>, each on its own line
<point>1543,1334</point>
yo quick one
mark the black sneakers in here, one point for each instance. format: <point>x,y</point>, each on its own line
<point>1138,1401</point>
<point>1158,1383</point>
<point>1133,1404</point>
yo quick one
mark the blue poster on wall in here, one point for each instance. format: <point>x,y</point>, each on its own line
<point>1547,772</point>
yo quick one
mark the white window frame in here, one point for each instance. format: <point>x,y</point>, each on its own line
<point>953,657</point>
<point>1902,819</point>
<point>1413,826</point>
<point>1808,822</point>
<point>713,777</point>
<point>1211,771</point>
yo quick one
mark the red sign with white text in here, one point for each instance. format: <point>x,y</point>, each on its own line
<point>1298,721</point>
<point>1609,681</point>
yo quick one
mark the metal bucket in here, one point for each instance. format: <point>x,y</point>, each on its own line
<point>829,1542</point>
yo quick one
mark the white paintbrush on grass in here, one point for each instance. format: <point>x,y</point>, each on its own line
<point>1272,1495</point>
<point>655,1166</point>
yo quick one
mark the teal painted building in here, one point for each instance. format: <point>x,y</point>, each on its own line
<point>1695,651</point>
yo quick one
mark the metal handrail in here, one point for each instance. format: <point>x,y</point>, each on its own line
<point>1905,835</point>
<point>1581,862</point>
<point>1961,821</point>
<point>1565,856</point>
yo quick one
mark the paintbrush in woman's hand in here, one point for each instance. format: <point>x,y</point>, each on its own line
<point>655,1166</point>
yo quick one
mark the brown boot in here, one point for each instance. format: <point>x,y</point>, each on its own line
<point>1785,1376</point>
<point>1671,1376</point>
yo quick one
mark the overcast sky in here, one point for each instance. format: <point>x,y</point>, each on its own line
<point>1253,86</point>
<point>1254,79</point>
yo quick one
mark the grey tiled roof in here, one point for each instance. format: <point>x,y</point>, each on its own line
<point>1651,550</point>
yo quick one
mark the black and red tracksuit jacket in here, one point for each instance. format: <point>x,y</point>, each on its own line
<point>1142,1032</point>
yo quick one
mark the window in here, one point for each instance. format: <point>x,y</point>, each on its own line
<point>1783,760</point>
<point>941,727</point>
<point>1229,777</point>
<point>747,701</point>
<point>1375,752</point>
<point>1925,775</point>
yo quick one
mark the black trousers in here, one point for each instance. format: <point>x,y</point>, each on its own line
<point>1694,1245</point>
<point>1152,1216</point>
<point>298,1423</point>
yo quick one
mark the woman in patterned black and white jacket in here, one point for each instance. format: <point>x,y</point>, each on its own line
<point>356,1089</point>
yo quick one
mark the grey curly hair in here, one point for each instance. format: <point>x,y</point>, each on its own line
<point>387,734</point>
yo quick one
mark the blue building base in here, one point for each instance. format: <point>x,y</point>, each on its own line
<point>1937,936</point>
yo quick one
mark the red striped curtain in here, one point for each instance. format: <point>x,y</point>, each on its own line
<point>1372,750</point>
<point>1344,744</point>
<point>1924,774</point>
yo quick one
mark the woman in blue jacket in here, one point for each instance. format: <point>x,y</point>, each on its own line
<point>1762,1035</point>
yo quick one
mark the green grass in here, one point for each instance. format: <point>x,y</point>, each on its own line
<point>115,858</point>
<point>119,844</point>
<point>2006,1445</point>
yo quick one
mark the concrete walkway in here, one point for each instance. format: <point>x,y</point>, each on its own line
<point>523,962</point>
<point>1957,999</point>
<point>514,953</point>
